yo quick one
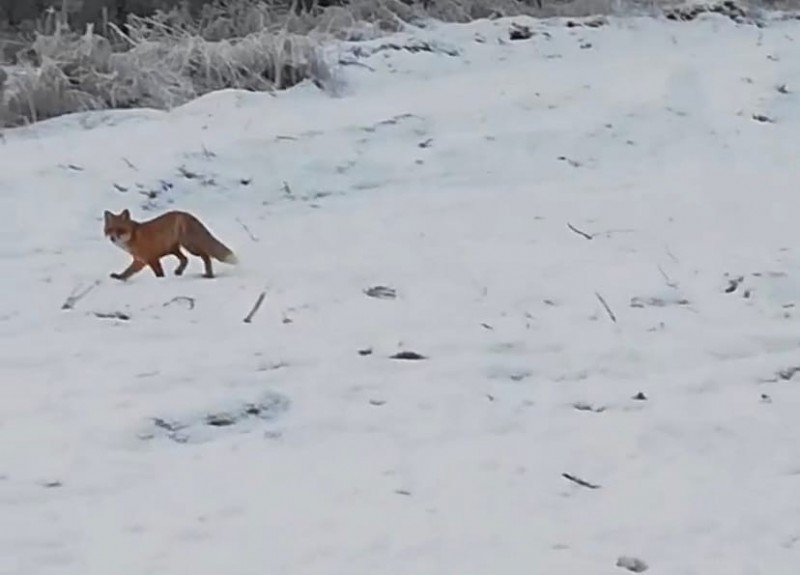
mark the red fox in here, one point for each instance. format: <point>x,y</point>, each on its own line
<point>148,242</point>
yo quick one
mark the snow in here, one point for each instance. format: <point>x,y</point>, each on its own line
<point>452,179</point>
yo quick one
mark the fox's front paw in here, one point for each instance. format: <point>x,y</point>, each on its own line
<point>116,276</point>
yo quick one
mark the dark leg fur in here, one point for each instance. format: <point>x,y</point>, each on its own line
<point>183,261</point>
<point>209,272</point>
<point>207,263</point>
<point>135,267</point>
<point>155,265</point>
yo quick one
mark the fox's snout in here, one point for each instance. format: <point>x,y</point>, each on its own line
<point>119,238</point>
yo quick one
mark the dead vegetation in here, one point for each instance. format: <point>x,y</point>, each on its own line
<point>173,57</point>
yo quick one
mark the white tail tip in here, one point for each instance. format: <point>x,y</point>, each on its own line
<point>231,259</point>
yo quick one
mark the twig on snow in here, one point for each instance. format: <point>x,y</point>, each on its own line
<point>247,230</point>
<point>580,232</point>
<point>76,295</point>
<point>130,164</point>
<point>249,317</point>
<point>579,481</point>
<point>669,282</point>
<point>208,153</point>
<point>672,256</point>
<point>606,306</point>
<point>189,301</point>
<point>112,315</point>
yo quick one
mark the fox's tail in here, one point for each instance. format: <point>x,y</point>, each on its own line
<point>204,239</point>
<point>223,253</point>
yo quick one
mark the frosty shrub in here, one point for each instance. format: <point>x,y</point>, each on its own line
<point>260,45</point>
<point>165,61</point>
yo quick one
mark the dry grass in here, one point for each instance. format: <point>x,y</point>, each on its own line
<point>163,65</point>
<point>172,58</point>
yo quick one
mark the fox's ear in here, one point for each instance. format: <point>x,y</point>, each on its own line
<point>125,215</point>
<point>107,217</point>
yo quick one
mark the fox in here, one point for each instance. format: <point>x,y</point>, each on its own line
<point>149,241</point>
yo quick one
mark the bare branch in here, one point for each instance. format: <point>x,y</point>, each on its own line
<point>77,295</point>
<point>606,306</point>
<point>247,230</point>
<point>249,317</point>
<point>668,281</point>
<point>112,315</point>
<point>579,481</point>
<point>579,232</point>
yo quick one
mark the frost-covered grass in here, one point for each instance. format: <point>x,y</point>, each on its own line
<point>161,68</point>
<point>172,58</point>
<point>467,177</point>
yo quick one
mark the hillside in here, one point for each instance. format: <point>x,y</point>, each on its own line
<point>590,236</point>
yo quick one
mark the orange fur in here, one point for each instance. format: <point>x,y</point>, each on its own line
<point>148,242</point>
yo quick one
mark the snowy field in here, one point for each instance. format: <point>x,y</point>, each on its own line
<point>592,237</point>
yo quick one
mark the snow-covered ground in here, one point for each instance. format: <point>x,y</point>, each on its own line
<point>452,176</point>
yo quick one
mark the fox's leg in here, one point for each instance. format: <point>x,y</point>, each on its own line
<point>155,265</point>
<point>135,267</point>
<point>183,260</point>
<point>207,263</point>
<point>206,259</point>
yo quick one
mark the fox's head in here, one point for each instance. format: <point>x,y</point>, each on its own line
<point>119,228</point>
